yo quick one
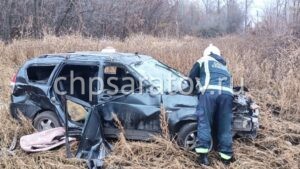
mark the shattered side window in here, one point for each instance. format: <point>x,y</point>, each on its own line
<point>39,74</point>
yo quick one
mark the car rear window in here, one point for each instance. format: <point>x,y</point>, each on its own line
<point>39,74</point>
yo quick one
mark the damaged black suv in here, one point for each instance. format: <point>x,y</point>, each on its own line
<point>41,84</point>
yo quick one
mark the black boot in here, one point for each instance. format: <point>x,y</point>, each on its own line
<point>227,162</point>
<point>203,159</point>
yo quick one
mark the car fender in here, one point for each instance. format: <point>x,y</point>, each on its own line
<point>179,117</point>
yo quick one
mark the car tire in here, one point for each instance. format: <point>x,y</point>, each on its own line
<point>187,136</point>
<point>46,120</point>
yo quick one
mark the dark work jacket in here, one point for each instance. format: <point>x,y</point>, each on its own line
<point>210,74</point>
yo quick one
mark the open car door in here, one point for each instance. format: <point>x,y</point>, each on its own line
<point>93,146</point>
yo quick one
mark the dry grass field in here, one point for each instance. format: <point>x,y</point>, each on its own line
<point>270,67</point>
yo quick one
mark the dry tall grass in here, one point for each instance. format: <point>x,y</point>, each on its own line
<point>269,66</point>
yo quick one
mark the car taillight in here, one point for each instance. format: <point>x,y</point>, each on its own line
<point>13,81</point>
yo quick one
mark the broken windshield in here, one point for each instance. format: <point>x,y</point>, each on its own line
<point>161,76</point>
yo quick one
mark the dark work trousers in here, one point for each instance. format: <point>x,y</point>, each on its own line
<point>214,112</point>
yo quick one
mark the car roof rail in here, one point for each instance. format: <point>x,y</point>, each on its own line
<point>43,56</point>
<point>53,56</point>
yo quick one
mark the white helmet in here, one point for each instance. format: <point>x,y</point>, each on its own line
<point>211,49</point>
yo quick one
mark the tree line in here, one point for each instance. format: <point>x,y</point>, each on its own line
<point>281,17</point>
<point>120,18</point>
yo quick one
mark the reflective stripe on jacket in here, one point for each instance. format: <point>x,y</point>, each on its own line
<point>214,75</point>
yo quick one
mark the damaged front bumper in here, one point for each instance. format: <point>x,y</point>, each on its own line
<point>245,118</point>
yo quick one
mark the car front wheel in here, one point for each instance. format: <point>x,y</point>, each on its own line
<point>45,121</point>
<point>187,137</point>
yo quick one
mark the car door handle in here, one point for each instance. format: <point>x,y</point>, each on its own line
<point>106,97</point>
<point>169,111</point>
<point>17,87</point>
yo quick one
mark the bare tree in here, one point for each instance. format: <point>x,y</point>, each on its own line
<point>246,13</point>
<point>282,17</point>
<point>120,18</point>
<point>7,20</point>
<point>36,21</point>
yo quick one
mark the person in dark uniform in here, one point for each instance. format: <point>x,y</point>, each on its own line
<point>212,80</point>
